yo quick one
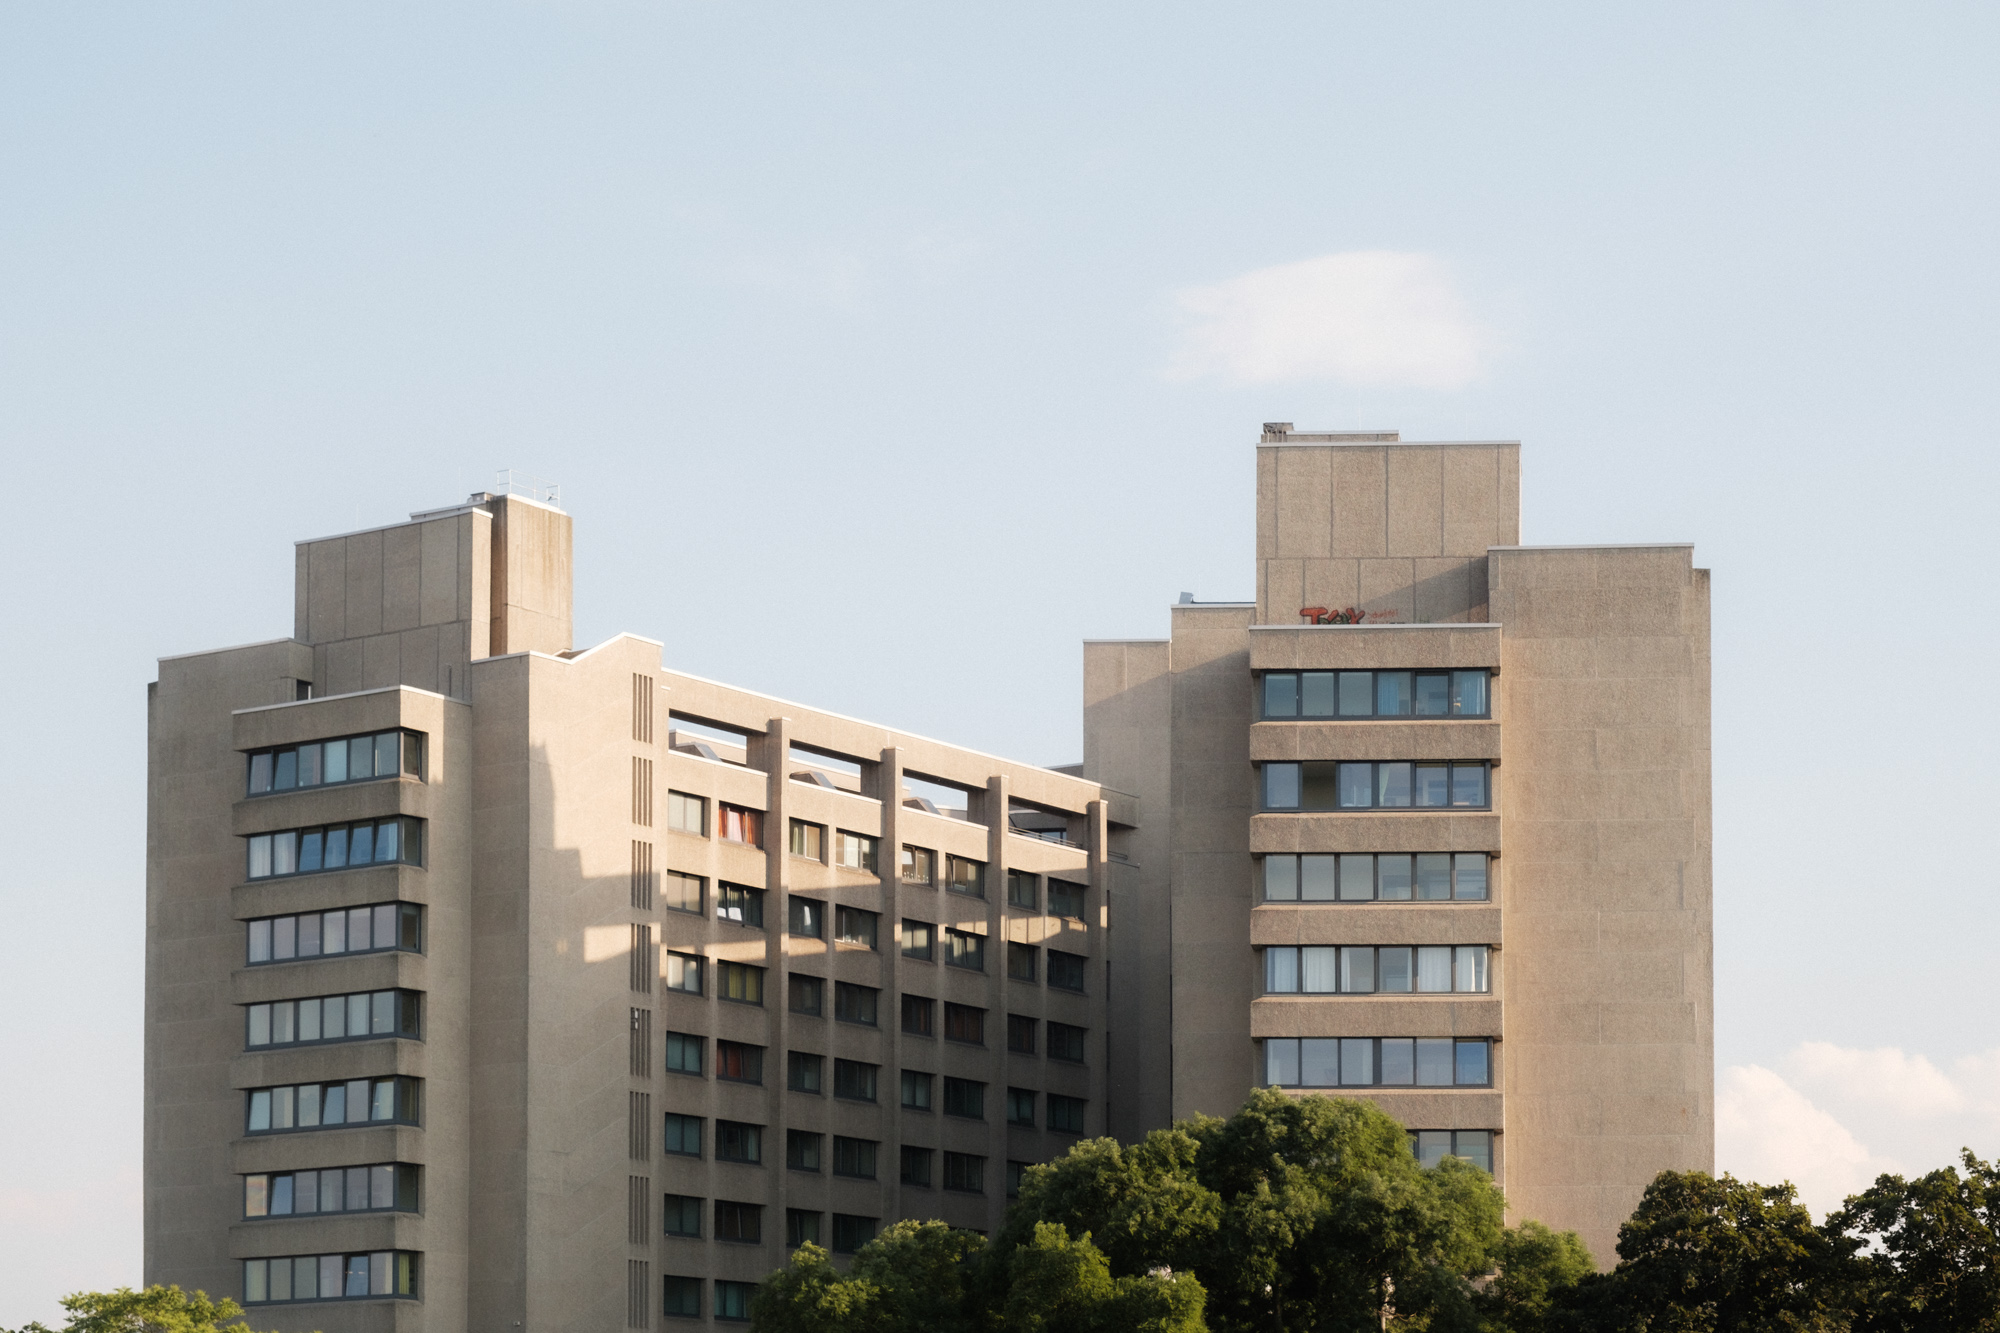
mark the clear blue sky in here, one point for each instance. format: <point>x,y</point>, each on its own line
<point>924,299</point>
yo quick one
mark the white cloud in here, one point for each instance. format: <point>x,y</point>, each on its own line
<point>1907,1084</point>
<point>1369,318</point>
<point>1768,1131</point>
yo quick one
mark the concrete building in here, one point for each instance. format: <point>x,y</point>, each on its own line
<point>496,984</point>
<point>1432,815</point>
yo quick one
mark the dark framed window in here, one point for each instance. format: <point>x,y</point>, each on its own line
<point>855,851</point>
<point>739,1063</point>
<point>1067,899</point>
<point>330,1277</point>
<point>853,925</point>
<point>965,1173</point>
<point>383,1187</point>
<point>806,917</point>
<point>684,972</point>
<point>376,928</point>
<point>311,1106</point>
<point>1021,1107</point>
<point>1023,890</point>
<point>854,1157</point>
<point>738,1142</point>
<point>381,754</point>
<point>732,1300</point>
<point>965,876</point>
<point>965,1097</point>
<point>739,904</point>
<point>1386,1062</point>
<point>398,840</point>
<point>687,814</point>
<point>1066,970</point>
<point>916,1167</point>
<point>1387,877</point>
<point>1368,970</point>
<point>1398,785</point>
<point>851,1233</point>
<point>1066,1113</point>
<point>682,1214</point>
<point>682,1135</point>
<point>802,1150</point>
<point>1021,960</point>
<point>739,1221</point>
<point>736,823</point>
<point>1432,1146</point>
<point>740,982</point>
<point>1016,1173</point>
<point>1021,1034</point>
<point>919,865</point>
<point>964,1023</point>
<point>964,949</point>
<point>1065,1041</point>
<point>683,893</point>
<point>323,1019</point>
<point>917,1090</point>
<point>855,1004</point>
<point>854,1080</point>
<point>683,1053</point>
<point>919,1016</point>
<point>801,1227</point>
<point>805,1072</point>
<point>1359,694</point>
<point>805,995</point>
<point>681,1297</point>
<point>919,940</point>
<point>808,840</point>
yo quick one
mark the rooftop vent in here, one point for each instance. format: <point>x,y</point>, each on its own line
<point>1283,431</point>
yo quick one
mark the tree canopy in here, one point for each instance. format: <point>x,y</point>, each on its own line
<point>157,1309</point>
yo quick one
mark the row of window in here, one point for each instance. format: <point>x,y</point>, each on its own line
<point>805,1150</point>
<point>335,847</point>
<point>371,929</point>
<point>1325,784</point>
<point>1290,694</point>
<point>384,1187</point>
<point>383,754</point>
<point>1388,877</point>
<point>332,1105</point>
<point>330,1277</point>
<point>1385,1062</point>
<point>1369,970</point>
<point>1434,1145</point>
<point>733,823</point>
<point>382,1013</point>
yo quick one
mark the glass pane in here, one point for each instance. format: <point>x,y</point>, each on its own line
<point>379,1273</point>
<point>333,1020</point>
<point>260,1111</point>
<point>284,1102</point>
<point>1357,878</point>
<point>358,929</point>
<point>286,774</point>
<point>1357,693</point>
<point>281,1279</point>
<point>1316,694</point>
<point>385,1100</point>
<point>1281,694</point>
<point>285,853</point>
<point>1316,969</point>
<point>1281,971</point>
<point>1471,959</point>
<point>285,937</point>
<point>361,844</point>
<point>305,1192</point>
<point>1357,971</point>
<point>260,941</point>
<point>382,1016</point>
<point>1434,968</point>
<point>388,754</point>
<point>357,1188</point>
<point>356,1282</point>
<point>1392,694</point>
<point>336,761</point>
<point>1319,1062</point>
<point>413,754</point>
<point>329,1274</point>
<point>1357,1061</point>
<point>384,925</point>
<point>256,1274</point>
<point>260,773</point>
<point>1392,969</point>
<point>336,848</point>
<point>1434,1062</point>
<point>333,1107</point>
<point>1431,784</point>
<point>1433,1146</point>
<point>1281,792</point>
<point>1399,1067</point>
<point>1281,1062</point>
<point>1316,878</point>
<point>1468,693</point>
<point>1476,1147</point>
<point>1281,880</point>
<point>309,1094</point>
<point>309,765</point>
<point>385,839</point>
<point>1356,781</point>
<point>1472,1064</point>
<point>361,757</point>
<point>309,942</point>
<point>332,1191</point>
<point>1469,876</point>
<point>407,918</point>
<point>381,1187</point>
<point>357,1014</point>
<point>260,856</point>
<point>1392,785</point>
<point>1468,784</point>
<point>1433,695</point>
<point>309,1020</point>
<point>1395,877</point>
<point>260,1025</point>
<point>309,851</point>
<point>1433,876</point>
<point>268,1195</point>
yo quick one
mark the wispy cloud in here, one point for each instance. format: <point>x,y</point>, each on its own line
<point>1368,318</point>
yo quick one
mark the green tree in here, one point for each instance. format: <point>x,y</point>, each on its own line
<point>1933,1256</point>
<point>1536,1266</point>
<point>157,1309</point>
<point>918,1272</point>
<point>1060,1285</point>
<point>809,1295</point>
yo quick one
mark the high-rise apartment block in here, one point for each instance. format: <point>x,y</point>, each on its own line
<point>494,983</point>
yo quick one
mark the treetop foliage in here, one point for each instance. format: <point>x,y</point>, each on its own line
<point>157,1309</point>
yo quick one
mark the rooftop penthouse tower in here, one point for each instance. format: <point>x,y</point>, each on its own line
<point>1432,818</point>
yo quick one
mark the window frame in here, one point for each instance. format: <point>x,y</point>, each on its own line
<point>288,846</point>
<point>1336,863</point>
<point>1265,1055</point>
<point>420,773</point>
<point>1267,680</point>
<point>700,804</point>
<point>400,914</point>
<point>1270,772</point>
<point>1460,955</point>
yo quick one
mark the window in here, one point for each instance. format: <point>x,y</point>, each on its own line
<point>739,1063</point>
<point>356,1017</point>
<point>683,1053</point>
<point>964,949</point>
<point>1397,877</point>
<point>964,1096</point>
<point>371,929</point>
<point>919,1016</point>
<point>1022,890</point>
<point>1421,1062</point>
<point>919,866</point>
<point>386,1187</point>
<point>682,1297</point>
<point>1021,1034</point>
<point>687,814</point>
<point>1290,694</point>
<point>1066,1042</point>
<point>1066,899</point>
<point>801,1227</point>
<point>738,1142</point>
<point>682,1214</point>
<point>736,823</point>
<point>310,851</point>
<point>682,893</point>
<point>963,1171</point>
<point>1021,961</point>
<point>1434,1145</point>
<point>854,1080</point>
<point>964,1023</point>
<point>330,1105</point>
<point>740,904</point>
<point>382,754</point>
<point>805,995</point>
<point>1326,785</point>
<point>919,940</point>
<point>805,917</point>
<point>916,1167</point>
<point>1325,970</point>
<point>852,925</point>
<point>802,1150</point>
<point>963,876</point>
<point>1016,1172</point>
<point>854,1004</point>
<point>808,840</point>
<point>1066,1114</point>
<point>732,1299</point>
<point>738,1221</point>
<point>684,972</point>
<point>856,852</point>
<point>916,1090</point>
<point>330,1277</point>
<point>740,982</point>
<point>804,1072</point>
<point>1065,970</point>
<point>1021,1107</point>
<point>854,1157</point>
<point>851,1233</point>
<point>682,1136</point>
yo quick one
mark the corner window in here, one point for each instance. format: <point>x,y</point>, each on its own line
<point>370,929</point>
<point>1329,785</point>
<point>307,1106</point>
<point>1370,970</point>
<point>1396,877</point>
<point>1389,1062</point>
<point>331,1277</point>
<point>386,1187</point>
<point>382,754</point>
<point>1375,694</point>
<point>331,1018</point>
<point>309,851</point>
